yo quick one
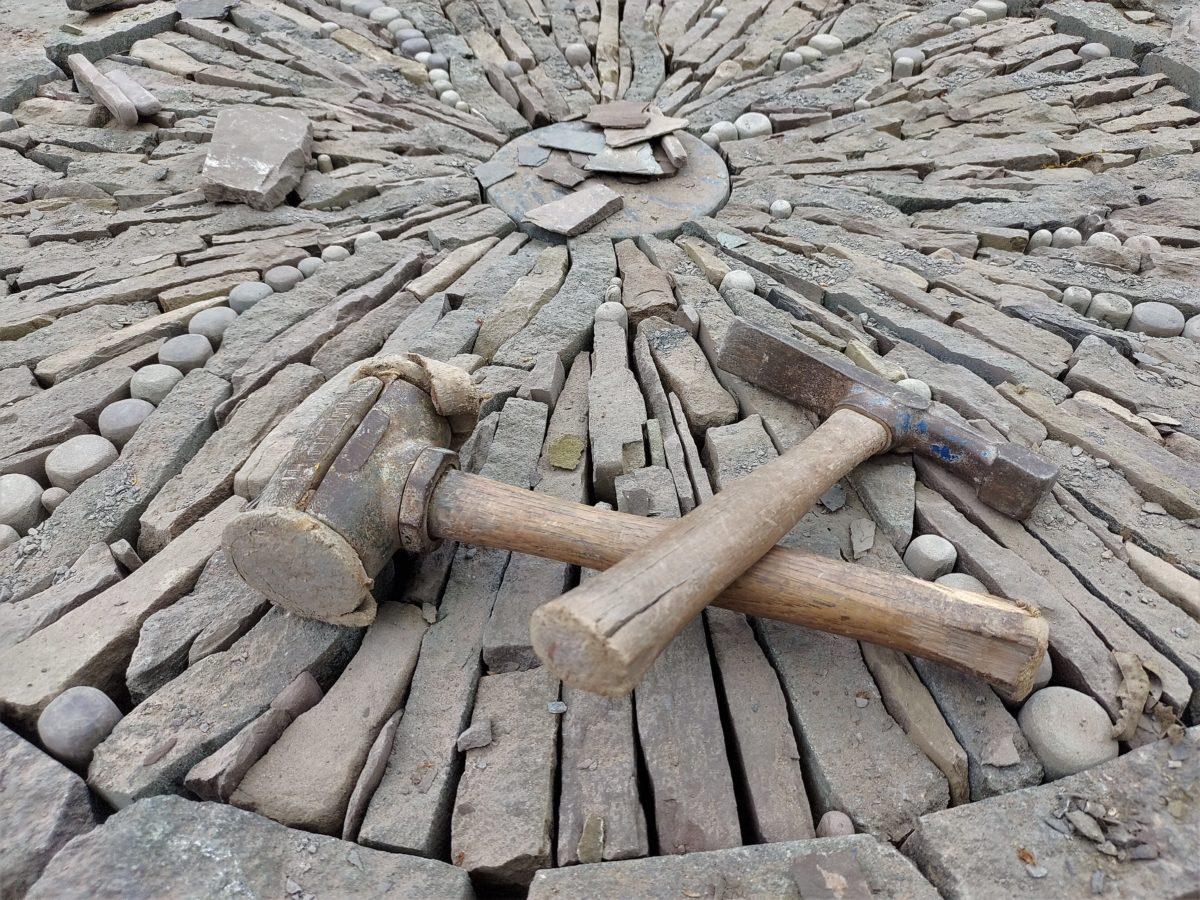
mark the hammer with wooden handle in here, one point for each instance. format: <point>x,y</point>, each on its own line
<point>370,478</point>
<point>604,634</point>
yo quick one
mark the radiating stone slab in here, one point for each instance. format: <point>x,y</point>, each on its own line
<point>163,843</point>
<point>257,155</point>
<point>94,571</point>
<point>43,805</point>
<point>577,212</point>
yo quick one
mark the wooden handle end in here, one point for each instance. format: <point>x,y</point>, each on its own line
<point>579,654</point>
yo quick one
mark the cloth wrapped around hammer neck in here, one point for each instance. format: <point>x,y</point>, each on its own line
<point>450,388</point>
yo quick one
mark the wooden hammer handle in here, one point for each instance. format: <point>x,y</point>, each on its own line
<point>604,634</point>
<point>976,633</point>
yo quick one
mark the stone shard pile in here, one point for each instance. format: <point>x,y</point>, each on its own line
<point>212,212</point>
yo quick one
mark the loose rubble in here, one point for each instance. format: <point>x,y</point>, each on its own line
<point>213,211</point>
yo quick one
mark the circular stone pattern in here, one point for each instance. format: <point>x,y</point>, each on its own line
<point>657,206</point>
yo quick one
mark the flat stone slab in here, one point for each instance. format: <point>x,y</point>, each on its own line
<point>659,207</point>
<point>168,846</point>
<point>1145,799</point>
<point>257,155</point>
<point>576,212</point>
<point>766,870</point>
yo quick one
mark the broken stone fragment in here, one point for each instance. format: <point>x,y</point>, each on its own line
<point>102,90</point>
<point>577,212</point>
<point>257,155</point>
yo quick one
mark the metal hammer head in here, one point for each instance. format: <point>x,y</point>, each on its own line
<point>1007,477</point>
<point>345,500</point>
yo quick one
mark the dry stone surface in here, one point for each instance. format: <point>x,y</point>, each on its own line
<point>213,212</point>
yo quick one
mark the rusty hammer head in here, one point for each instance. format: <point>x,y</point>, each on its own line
<point>327,521</point>
<point>1007,477</point>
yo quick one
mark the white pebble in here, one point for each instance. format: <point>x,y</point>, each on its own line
<point>437,61</point>
<point>1044,673</point>
<point>828,44</point>
<point>711,140</point>
<point>423,58</point>
<point>8,536</point>
<point>247,294</point>
<point>308,267</point>
<point>449,98</point>
<point>790,61</point>
<point>397,25</point>
<point>75,722</point>
<point>366,239</point>
<point>781,209</point>
<point>1077,298</point>
<point>578,54</point>
<point>77,459</point>
<point>835,824</point>
<point>212,323</point>
<point>862,103</point>
<point>1191,330</point>
<point>152,383</point>
<point>463,106</point>
<point>962,582</point>
<point>994,9</point>
<point>1066,237</point>
<point>1156,319</point>
<point>185,352</point>
<point>118,421</point>
<point>328,28</point>
<point>443,75</point>
<point>335,253</point>
<point>1143,244</point>
<point>725,131</point>
<point>958,23</point>
<point>324,163</point>
<point>751,125</point>
<point>1043,237</point>
<point>810,54</point>
<point>383,14</point>
<point>929,556</point>
<point>1093,51</point>
<point>283,278</point>
<point>719,12</point>
<point>903,68</point>
<point>740,279</point>
<point>1104,239</point>
<point>974,16</point>
<point>1067,730</point>
<point>1111,308</point>
<point>20,502</point>
<point>916,386</point>
<point>52,498</point>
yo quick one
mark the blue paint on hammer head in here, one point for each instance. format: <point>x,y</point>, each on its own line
<point>944,453</point>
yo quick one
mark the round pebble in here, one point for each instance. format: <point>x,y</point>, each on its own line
<point>436,75</point>
<point>1143,244</point>
<point>1066,237</point>
<point>961,581</point>
<point>790,61</point>
<point>711,140</point>
<point>8,536</point>
<point>719,12</point>
<point>76,460</point>
<point>246,294</point>
<point>1156,320</point>
<point>212,323</point>
<point>1067,730</point>
<point>324,164</point>
<point>384,14</point>
<point>437,61</point>
<point>930,556</point>
<point>450,97</point>
<point>75,722</point>
<point>52,498</point>
<point>974,16</point>
<point>437,88</point>
<point>185,352</point>
<point>423,58</point>
<point>1104,239</point>
<point>1077,298</point>
<point>903,68</point>
<point>740,279</point>
<point>413,46</point>
<point>725,131</point>
<point>1044,673</point>
<point>1111,308</point>
<point>367,238</point>
<point>781,209</point>
<point>20,502</point>
<point>835,824</point>
<point>328,28</point>
<point>118,421</point>
<point>511,69</point>
<point>364,8</point>
<point>283,278</point>
<point>810,54</point>
<point>1191,330</point>
<point>752,125</point>
<point>611,311</point>
<point>335,253</point>
<point>916,386</point>
<point>309,266</point>
<point>152,383</point>
<point>407,33</point>
<point>995,9</point>
<point>345,5</point>
<point>1094,51</point>
<point>463,106</point>
<point>958,23</point>
<point>1043,237</point>
<point>398,25</point>
<point>913,53</point>
<point>578,54</point>
<point>828,44</point>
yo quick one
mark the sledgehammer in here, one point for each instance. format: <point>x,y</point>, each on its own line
<point>371,479</point>
<point>604,634</point>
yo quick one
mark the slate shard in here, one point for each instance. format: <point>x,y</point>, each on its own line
<point>577,212</point>
<point>257,156</point>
